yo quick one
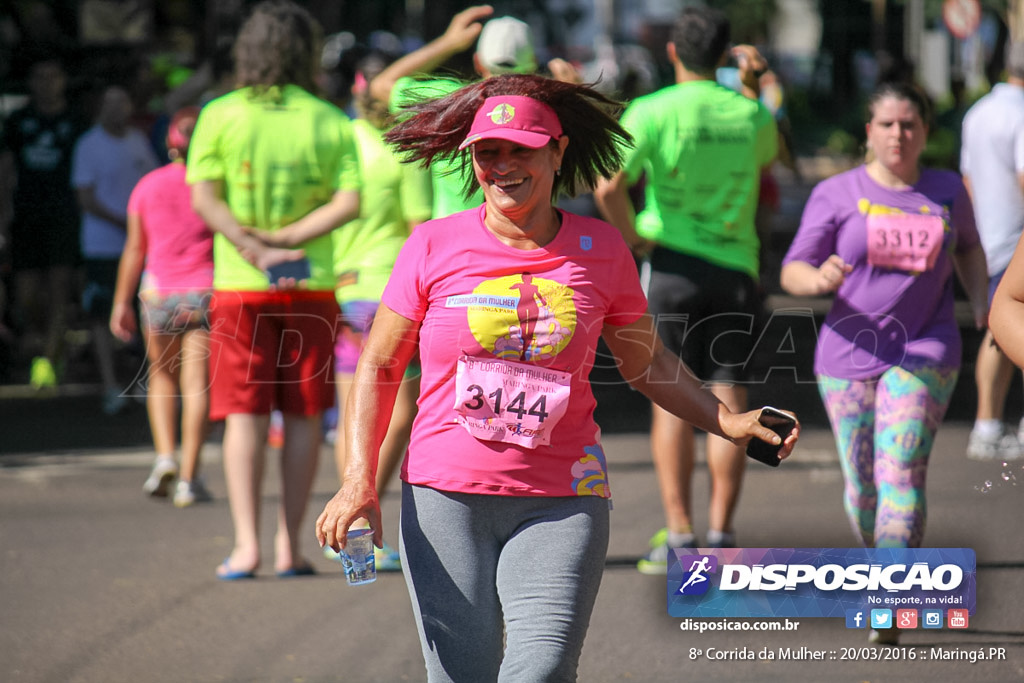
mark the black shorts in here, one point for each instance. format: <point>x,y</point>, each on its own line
<point>705,314</point>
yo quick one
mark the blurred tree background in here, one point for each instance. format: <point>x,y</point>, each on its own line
<point>854,43</point>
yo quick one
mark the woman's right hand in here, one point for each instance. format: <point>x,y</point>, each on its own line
<point>832,274</point>
<point>354,500</point>
<point>122,322</point>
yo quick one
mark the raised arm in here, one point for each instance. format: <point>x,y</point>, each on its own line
<point>461,34</point>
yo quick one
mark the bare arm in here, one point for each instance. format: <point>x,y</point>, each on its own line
<point>661,376</point>
<point>122,317</point>
<point>612,199</point>
<point>90,204</point>
<point>800,278</point>
<point>343,207</point>
<point>382,364</point>
<point>460,35</point>
<point>1006,320</point>
<point>208,202</point>
<point>563,71</point>
<point>751,67</point>
<point>972,269</point>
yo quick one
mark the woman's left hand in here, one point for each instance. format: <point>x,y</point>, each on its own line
<point>740,428</point>
<point>353,501</point>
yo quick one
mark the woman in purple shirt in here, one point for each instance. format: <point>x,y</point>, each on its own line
<point>885,239</point>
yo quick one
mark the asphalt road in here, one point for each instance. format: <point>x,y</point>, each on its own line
<point>100,584</point>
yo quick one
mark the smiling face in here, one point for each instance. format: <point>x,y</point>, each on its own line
<point>896,133</point>
<point>516,179</point>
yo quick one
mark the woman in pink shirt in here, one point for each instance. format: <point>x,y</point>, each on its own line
<point>504,523</point>
<point>174,246</point>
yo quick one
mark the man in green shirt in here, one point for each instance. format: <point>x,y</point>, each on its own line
<point>702,147</point>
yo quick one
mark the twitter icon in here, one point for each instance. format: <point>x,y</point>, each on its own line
<point>881,618</point>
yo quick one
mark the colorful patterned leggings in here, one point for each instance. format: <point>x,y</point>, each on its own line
<point>884,429</point>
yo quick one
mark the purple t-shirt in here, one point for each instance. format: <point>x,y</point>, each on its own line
<point>884,316</point>
<point>537,312</point>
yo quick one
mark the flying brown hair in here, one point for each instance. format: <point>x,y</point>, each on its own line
<point>433,129</point>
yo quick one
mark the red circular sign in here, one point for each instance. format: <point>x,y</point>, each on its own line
<point>962,17</point>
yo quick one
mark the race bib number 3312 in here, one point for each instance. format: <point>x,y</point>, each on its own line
<point>909,242</point>
<point>500,400</point>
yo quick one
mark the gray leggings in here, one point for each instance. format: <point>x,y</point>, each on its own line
<point>478,566</point>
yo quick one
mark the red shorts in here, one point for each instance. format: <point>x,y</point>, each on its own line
<point>272,350</point>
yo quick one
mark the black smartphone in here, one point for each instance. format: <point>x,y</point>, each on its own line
<point>779,422</point>
<point>299,270</point>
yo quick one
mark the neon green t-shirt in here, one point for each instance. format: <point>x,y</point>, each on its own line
<point>280,156</point>
<point>447,179</point>
<point>393,194</point>
<point>703,147</point>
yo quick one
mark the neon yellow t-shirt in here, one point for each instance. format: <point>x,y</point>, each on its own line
<point>279,155</point>
<point>703,147</point>
<point>393,194</point>
<point>447,179</point>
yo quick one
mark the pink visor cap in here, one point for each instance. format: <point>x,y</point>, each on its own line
<point>518,119</point>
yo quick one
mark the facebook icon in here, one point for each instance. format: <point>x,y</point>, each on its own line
<point>855,618</point>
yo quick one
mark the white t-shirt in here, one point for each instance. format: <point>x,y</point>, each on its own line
<point>111,166</point>
<point>991,157</point>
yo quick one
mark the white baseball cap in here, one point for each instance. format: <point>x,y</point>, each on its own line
<point>506,46</point>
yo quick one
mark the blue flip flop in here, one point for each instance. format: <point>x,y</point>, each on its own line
<point>306,570</point>
<point>233,575</point>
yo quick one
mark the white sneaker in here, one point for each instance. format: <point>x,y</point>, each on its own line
<point>160,478</point>
<point>188,492</point>
<point>1003,446</point>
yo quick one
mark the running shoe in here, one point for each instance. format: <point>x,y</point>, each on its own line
<point>655,562</point>
<point>721,539</point>
<point>42,375</point>
<point>1002,446</point>
<point>163,473</point>
<point>188,492</point>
